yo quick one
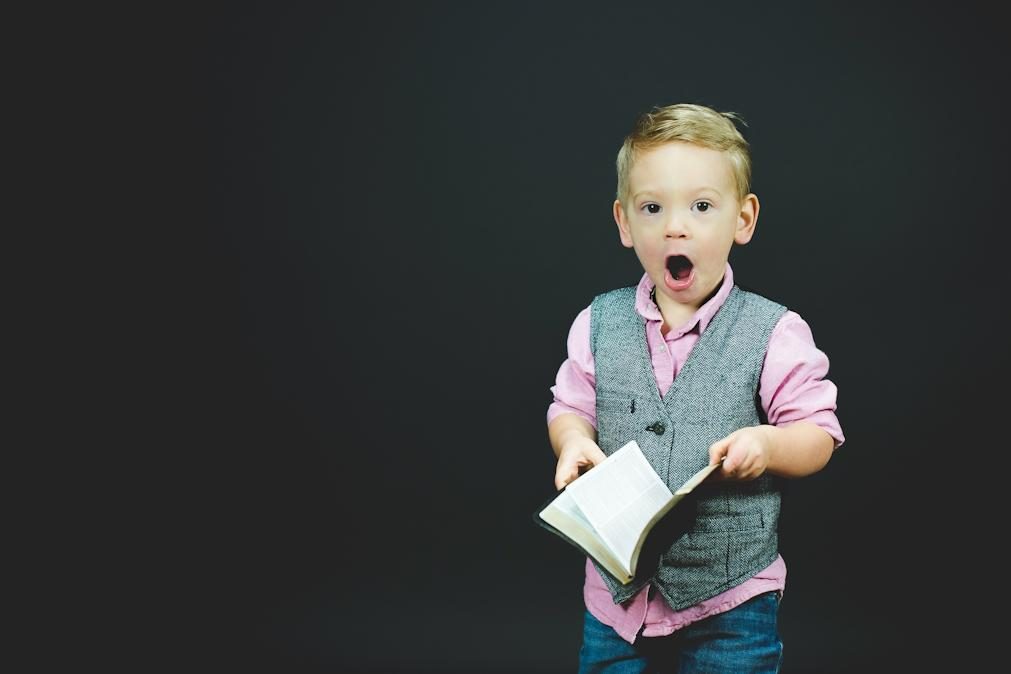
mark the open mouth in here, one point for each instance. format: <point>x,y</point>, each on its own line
<point>680,267</point>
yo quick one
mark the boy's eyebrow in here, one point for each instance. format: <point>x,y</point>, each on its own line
<point>696,190</point>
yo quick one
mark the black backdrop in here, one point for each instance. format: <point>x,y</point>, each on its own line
<point>383,220</point>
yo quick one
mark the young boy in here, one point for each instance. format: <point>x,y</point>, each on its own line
<point>696,370</point>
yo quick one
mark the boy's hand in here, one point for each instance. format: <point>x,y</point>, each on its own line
<point>747,453</point>
<point>577,456</point>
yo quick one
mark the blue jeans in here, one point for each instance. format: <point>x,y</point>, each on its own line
<point>741,640</point>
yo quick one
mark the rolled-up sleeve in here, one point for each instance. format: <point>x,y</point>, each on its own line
<point>575,384</point>
<point>794,385</point>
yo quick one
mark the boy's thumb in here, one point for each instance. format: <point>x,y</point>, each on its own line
<point>717,450</point>
<point>563,475</point>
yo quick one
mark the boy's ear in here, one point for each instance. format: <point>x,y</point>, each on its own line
<point>747,219</point>
<point>622,221</point>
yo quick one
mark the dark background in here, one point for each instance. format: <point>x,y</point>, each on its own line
<point>376,224</point>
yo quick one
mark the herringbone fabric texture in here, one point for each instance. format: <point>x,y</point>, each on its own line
<point>734,531</point>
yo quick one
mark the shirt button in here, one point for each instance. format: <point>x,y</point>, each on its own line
<point>657,428</point>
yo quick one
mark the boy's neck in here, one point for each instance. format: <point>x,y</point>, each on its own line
<point>676,314</point>
<point>675,317</point>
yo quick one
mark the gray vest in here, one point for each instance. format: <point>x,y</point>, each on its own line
<point>733,533</point>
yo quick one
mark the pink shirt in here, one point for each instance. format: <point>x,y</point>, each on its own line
<point>792,388</point>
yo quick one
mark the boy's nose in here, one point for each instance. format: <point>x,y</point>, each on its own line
<point>675,228</point>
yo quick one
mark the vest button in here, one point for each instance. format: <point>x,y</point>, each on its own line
<point>657,428</point>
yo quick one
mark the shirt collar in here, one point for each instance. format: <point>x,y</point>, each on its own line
<point>649,310</point>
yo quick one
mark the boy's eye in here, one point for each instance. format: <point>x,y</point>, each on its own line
<point>703,206</point>
<point>652,208</point>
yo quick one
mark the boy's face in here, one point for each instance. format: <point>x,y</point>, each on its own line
<point>682,217</point>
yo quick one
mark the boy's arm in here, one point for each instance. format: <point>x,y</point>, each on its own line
<point>571,417</point>
<point>574,441</point>
<point>796,450</point>
<point>799,401</point>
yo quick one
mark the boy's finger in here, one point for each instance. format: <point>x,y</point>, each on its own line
<point>730,463</point>
<point>717,450</point>
<point>565,475</point>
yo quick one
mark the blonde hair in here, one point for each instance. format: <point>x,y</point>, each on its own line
<point>689,123</point>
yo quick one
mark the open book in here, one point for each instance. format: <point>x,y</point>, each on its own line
<point>609,511</point>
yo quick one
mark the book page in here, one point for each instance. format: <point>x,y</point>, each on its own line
<point>563,514</point>
<point>620,497</point>
<point>567,505</point>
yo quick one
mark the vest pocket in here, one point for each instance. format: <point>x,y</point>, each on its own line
<point>723,522</point>
<point>698,559</point>
<point>719,549</point>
